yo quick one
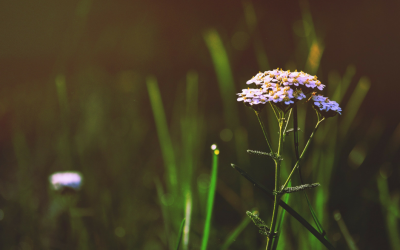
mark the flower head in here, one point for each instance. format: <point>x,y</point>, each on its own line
<point>282,88</point>
<point>326,107</point>
<point>66,180</point>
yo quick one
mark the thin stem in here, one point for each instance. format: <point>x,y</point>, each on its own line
<point>272,106</point>
<point>285,206</point>
<point>296,150</point>
<point>287,122</point>
<point>277,198</point>
<point>264,132</point>
<point>302,154</point>
<point>296,137</point>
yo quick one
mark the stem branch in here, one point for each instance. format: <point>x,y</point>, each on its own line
<point>277,198</point>
<point>264,132</point>
<point>302,154</point>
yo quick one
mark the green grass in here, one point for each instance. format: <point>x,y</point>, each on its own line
<point>210,200</point>
<point>226,82</point>
<point>167,148</point>
<point>180,233</point>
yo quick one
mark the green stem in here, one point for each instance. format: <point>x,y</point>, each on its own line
<point>302,154</point>
<point>285,206</point>
<point>277,198</point>
<point>264,132</point>
<point>287,122</point>
<point>272,106</point>
<point>210,200</point>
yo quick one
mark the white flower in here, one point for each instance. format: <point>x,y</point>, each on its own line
<point>283,88</point>
<point>61,180</point>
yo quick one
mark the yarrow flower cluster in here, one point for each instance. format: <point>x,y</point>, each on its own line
<point>325,106</point>
<point>282,88</point>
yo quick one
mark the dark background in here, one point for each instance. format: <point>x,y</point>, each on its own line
<point>104,128</point>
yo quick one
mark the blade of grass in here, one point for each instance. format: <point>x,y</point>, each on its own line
<point>180,234</point>
<point>315,45</point>
<point>64,144</point>
<point>224,76</point>
<point>344,84</point>
<point>392,223</point>
<point>189,134</point>
<point>345,232</point>
<point>62,95</point>
<point>285,206</point>
<point>354,104</point>
<point>261,55</point>
<point>163,134</point>
<point>387,208</point>
<point>251,21</point>
<point>164,211</point>
<point>308,21</point>
<point>188,214</point>
<point>338,97</point>
<point>232,237</point>
<point>210,200</point>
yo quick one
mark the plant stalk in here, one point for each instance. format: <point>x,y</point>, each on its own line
<point>277,183</point>
<point>302,154</point>
<point>264,131</point>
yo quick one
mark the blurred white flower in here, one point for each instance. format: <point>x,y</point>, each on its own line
<point>61,180</point>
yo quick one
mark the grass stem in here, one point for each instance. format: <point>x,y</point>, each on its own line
<point>210,200</point>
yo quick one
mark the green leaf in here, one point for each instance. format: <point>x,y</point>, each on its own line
<point>180,233</point>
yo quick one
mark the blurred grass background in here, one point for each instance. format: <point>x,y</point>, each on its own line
<point>132,94</point>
